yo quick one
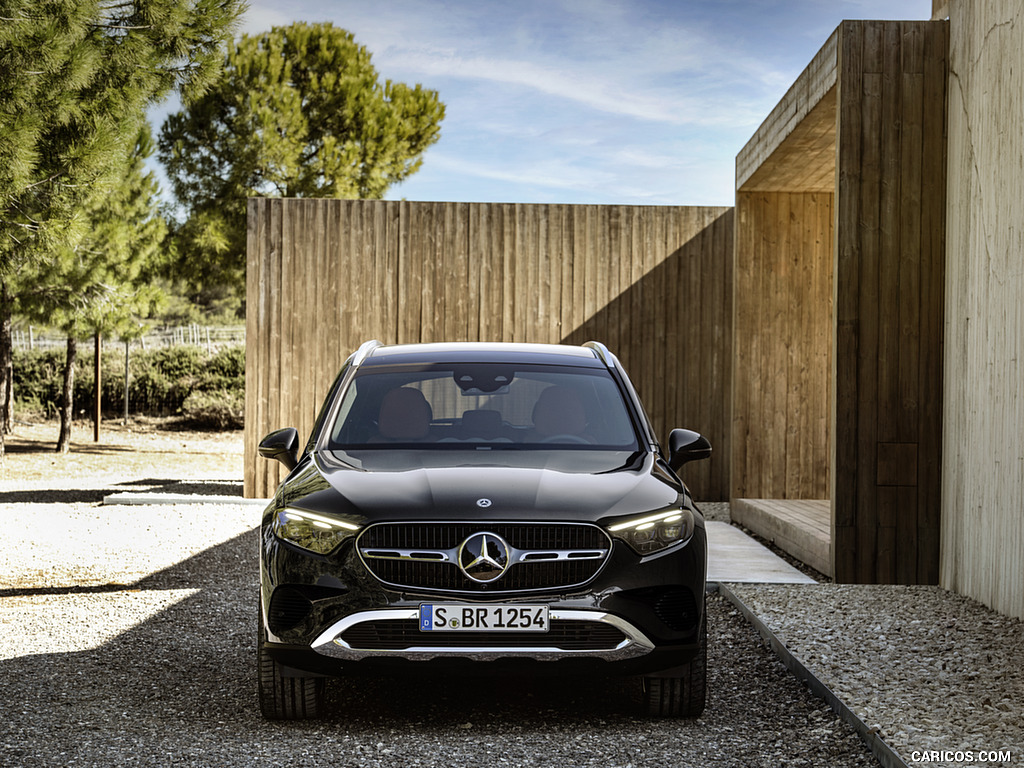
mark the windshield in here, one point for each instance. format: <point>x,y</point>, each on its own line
<point>483,407</point>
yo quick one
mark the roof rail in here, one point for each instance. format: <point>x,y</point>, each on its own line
<point>602,352</point>
<point>364,351</point>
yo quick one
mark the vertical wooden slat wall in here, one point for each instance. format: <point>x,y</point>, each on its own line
<point>983,441</point>
<point>783,345</point>
<point>889,274</point>
<point>654,283</point>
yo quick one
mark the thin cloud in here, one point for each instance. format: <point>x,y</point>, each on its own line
<point>619,58</point>
<point>558,175</point>
<point>626,176</point>
<point>565,81</point>
<point>625,101</point>
<point>262,18</point>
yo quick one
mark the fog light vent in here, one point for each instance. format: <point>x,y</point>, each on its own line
<point>677,609</point>
<point>288,609</point>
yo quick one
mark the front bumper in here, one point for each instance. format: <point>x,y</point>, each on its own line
<point>333,643</point>
<point>645,611</point>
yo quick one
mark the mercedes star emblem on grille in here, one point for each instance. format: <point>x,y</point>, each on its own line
<point>484,557</point>
<point>483,503</point>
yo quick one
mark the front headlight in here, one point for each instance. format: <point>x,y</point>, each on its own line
<point>317,533</point>
<point>656,531</point>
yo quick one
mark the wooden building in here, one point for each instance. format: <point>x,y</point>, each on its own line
<point>840,209</point>
<point>879,328</point>
<point>850,337</point>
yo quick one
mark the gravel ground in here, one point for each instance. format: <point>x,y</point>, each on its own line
<point>160,672</point>
<point>929,670</point>
<point>128,639</point>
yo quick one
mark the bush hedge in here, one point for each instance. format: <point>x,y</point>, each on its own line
<point>208,390</point>
<point>215,410</point>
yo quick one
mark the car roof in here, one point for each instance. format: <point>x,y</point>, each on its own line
<point>483,352</point>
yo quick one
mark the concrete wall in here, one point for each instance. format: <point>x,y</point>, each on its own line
<point>982,553</point>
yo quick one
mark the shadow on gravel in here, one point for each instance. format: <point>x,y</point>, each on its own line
<point>96,495</point>
<point>196,487</point>
<point>179,688</point>
<point>91,589</point>
<point>55,496</point>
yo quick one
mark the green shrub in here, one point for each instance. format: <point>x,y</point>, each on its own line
<point>37,380</point>
<point>228,362</point>
<point>214,410</point>
<point>179,363</point>
<point>160,380</point>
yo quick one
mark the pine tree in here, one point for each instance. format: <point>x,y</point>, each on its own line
<point>103,284</point>
<point>75,79</point>
<point>299,112</point>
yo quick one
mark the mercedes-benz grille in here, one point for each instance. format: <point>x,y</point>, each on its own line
<point>486,557</point>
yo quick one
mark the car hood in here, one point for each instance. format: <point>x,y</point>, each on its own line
<point>480,492</point>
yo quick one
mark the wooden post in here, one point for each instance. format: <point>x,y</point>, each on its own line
<point>126,343</point>
<point>97,356</point>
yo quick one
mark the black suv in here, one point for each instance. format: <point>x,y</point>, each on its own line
<point>477,506</point>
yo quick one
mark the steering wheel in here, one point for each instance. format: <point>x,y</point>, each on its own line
<point>566,439</point>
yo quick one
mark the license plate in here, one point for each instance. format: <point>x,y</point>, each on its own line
<point>459,617</point>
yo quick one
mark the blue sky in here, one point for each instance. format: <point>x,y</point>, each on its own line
<point>643,102</point>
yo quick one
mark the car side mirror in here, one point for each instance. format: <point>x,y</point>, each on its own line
<point>281,445</point>
<point>685,445</point>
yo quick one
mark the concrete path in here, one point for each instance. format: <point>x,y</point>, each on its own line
<point>735,557</point>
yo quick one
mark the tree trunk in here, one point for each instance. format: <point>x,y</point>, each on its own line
<point>8,418</point>
<point>6,365</point>
<point>6,396</point>
<point>67,404</point>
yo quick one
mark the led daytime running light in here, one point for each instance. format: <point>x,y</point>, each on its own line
<point>646,522</point>
<point>655,532</point>
<point>318,520</point>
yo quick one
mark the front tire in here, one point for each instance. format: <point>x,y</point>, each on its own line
<point>684,695</point>
<point>284,697</point>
